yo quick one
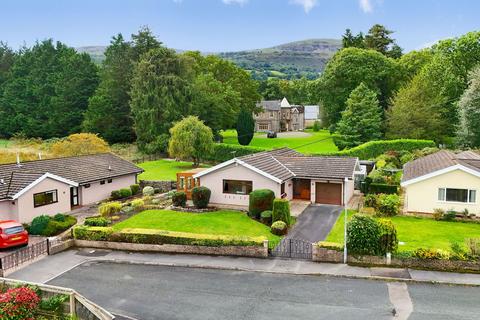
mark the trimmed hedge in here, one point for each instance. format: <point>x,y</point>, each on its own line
<point>330,245</point>
<point>48,226</point>
<point>201,197</point>
<point>281,211</point>
<point>377,188</point>
<point>135,188</point>
<point>97,222</point>
<point>150,236</point>
<point>372,149</point>
<point>266,217</point>
<point>179,199</point>
<point>224,152</point>
<point>260,200</point>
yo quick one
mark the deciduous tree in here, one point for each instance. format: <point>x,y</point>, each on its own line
<point>468,132</point>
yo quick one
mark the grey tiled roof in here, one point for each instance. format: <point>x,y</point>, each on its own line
<point>439,160</point>
<point>270,105</point>
<point>286,163</point>
<point>81,169</point>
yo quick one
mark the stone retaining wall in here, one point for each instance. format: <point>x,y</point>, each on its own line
<point>329,255</point>
<point>164,186</point>
<point>244,251</point>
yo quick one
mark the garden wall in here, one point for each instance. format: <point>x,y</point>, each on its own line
<point>244,251</point>
<point>164,186</point>
<point>329,255</point>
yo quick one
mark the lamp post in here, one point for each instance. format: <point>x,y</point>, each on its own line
<point>345,221</point>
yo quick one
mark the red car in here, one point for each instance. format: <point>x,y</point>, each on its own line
<point>12,234</point>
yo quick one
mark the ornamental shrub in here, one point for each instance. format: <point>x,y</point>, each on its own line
<point>97,222</point>
<point>450,215</point>
<point>148,191</point>
<point>39,224</point>
<point>430,253</point>
<point>388,236</point>
<point>260,200</point>
<point>109,208</point>
<point>60,217</point>
<point>137,204</point>
<point>135,188</point>
<point>125,192</point>
<point>388,204</point>
<point>279,228</point>
<point>281,211</point>
<point>92,233</point>
<point>55,227</point>
<point>115,195</point>
<point>266,217</point>
<point>316,126</point>
<point>363,234</point>
<point>438,213</point>
<point>179,199</point>
<point>19,304</point>
<point>370,201</point>
<point>201,197</point>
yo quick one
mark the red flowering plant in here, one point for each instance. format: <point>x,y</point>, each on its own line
<point>19,304</point>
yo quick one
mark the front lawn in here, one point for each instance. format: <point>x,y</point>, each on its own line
<point>222,222</point>
<point>420,232</point>
<point>163,169</point>
<point>317,142</point>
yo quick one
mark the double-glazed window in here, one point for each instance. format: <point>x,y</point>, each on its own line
<point>457,195</point>
<point>237,186</point>
<point>45,198</point>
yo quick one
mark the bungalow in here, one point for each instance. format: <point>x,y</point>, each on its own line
<point>288,173</point>
<point>443,180</point>
<point>52,186</point>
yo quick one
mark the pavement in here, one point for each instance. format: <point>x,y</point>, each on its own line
<point>315,223</point>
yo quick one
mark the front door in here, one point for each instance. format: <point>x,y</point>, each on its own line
<point>74,196</point>
<point>301,189</point>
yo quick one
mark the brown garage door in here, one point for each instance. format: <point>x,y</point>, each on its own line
<point>328,193</point>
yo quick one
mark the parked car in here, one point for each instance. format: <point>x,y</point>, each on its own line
<point>271,134</point>
<point>12,234</point>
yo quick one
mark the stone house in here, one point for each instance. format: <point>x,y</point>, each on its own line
<point>279,115</point>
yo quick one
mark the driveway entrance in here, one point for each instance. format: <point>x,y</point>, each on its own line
<point>315,223</point>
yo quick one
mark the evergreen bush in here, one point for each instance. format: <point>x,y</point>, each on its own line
<point>260,200</point>
<point>281,211</point>
<point>201,197</point>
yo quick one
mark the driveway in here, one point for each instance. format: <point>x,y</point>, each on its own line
<point>315,222</point>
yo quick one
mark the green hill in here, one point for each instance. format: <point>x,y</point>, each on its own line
<point>291,60</point>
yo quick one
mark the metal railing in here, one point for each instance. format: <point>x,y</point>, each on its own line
<point>24,255</point>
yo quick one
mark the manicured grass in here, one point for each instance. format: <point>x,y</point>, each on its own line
<point>317,142</point>
<point>163,169</point>
<point>420,232</point>
<point>223,222</point>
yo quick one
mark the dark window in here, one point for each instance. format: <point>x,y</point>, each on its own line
<point>102,182</point>
<point>13,230</point>
<point>109,180</point>
<point>87,186</point>
<point>282,188</point>
<point>237,186</point>
<point>457,195</point>
<point>45,198</point>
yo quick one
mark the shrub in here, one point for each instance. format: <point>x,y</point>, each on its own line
<point>201,197</point>
<point>125,192</point>
<point>438,213</point>
<point>148,191</point>
<point>137,204</point>
<point>382,188</point>
<point>370,201</point>
<point>135,188</point>
<point>260,200</point>
<point>127,209</point>
<point>109,208</point>
<point>458,251</point>
<point>266,217</point>
<point>429,253</point>
<point>116,195</point>
<point>279,228</point>
<point>388,236</point>
<point>19,304</point>
<point>330,245</point>
<point>97,222</point>
<point>39,224</point>
<point>316,126</point>
<point>388,204</point>
<point>60,217</point>
<point>179,199</point>
<point>473,245</point>
<point>363,234</point>
<point>55,227</point>
<point>92,233</point>
<point>450,215</point>
<point>54,304</point>
<point>281,211</point>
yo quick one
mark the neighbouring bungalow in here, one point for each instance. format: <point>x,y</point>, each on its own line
<point>443,180</point>
<point>52,186</point>
<point>288,173</point>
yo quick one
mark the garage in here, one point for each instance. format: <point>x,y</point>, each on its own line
<point>328,193</point>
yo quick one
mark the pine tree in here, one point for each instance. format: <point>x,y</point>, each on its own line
<point>245,127</point>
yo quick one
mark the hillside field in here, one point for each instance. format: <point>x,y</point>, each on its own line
<point>317,142</point>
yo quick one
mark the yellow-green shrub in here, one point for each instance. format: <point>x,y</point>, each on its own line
<point>109,208</point>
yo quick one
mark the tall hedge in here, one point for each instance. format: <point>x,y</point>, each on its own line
<point>281,211</point>
<point>260,200</point>
<point>372,149</point>
<point>245,127</point>
<point>363,235</point>
<point>224,152</point>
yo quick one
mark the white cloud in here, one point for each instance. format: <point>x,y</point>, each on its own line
<point>240,2</point>
<point>306,4</point>
<point>366,5</point>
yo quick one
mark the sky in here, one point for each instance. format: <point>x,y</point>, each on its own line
<point>232,25</point>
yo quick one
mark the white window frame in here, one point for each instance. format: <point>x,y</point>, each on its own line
<point>445,195</point>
